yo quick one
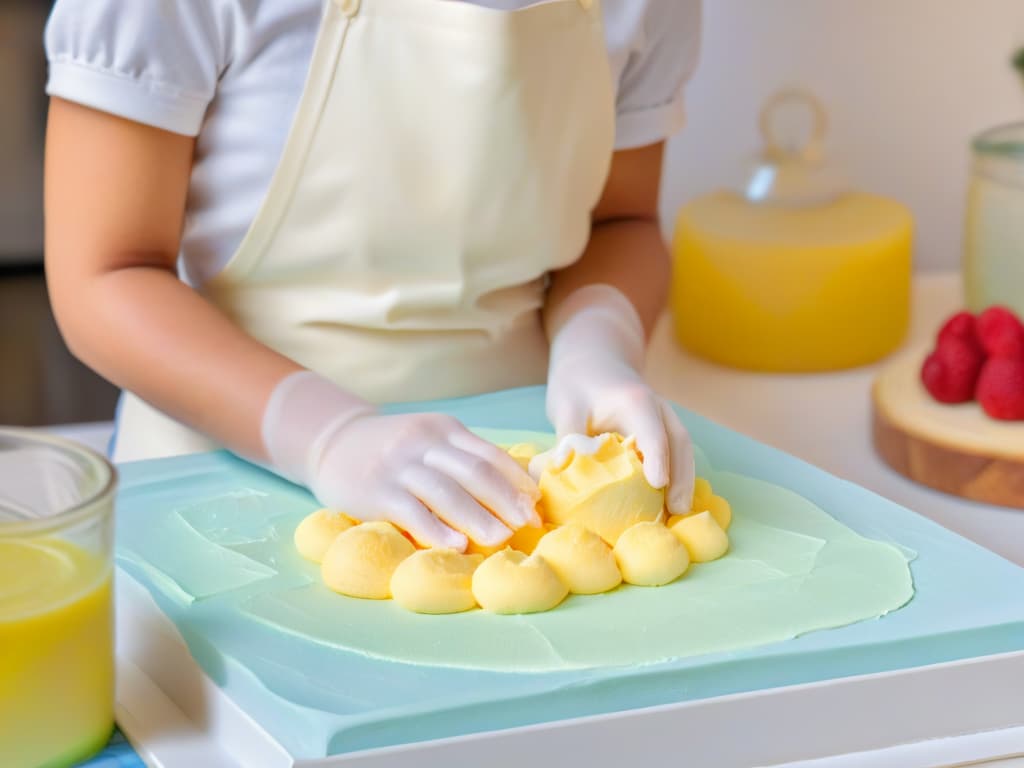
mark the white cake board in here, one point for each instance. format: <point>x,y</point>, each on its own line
<point>927,717</point>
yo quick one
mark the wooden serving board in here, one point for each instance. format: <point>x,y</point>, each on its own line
<point>935,444</point>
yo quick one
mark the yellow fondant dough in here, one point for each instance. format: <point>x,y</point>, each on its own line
<point>720,510</point>
<point>716,505</point>
<point>705,500</point>
<point>602,526</point>
<point>362,559</point>
<point>702,536</point>
<point>523,452</point>
<point>701,493</point>
<point>580,558</point>
<point>527,538</point>
<point>512,582</point>
<point>318,531</point>
<point>435,581</point>
<point>605,490</point>
<point>523,540</point>
<point>649,555</point>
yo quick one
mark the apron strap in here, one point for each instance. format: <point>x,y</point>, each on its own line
<point>348,8</point>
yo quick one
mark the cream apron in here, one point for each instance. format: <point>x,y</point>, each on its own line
<point>444,158</point>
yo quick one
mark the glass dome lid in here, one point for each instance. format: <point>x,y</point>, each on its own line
<point>792,169</point>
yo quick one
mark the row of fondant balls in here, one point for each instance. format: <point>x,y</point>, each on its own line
<point>375,560</point>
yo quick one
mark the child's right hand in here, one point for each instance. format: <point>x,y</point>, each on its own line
<point>424,472</point>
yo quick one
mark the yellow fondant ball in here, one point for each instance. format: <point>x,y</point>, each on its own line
<point>606,491</point>
<point>362,559</point>
<point>705,500</point>
<point>649,555</point>
<point>435,581</point>
<point>511,582</point>
<point>720,510</point>
<point>318,531</point>
<point>702,536</point>
<point>523,540</point>
<point>701,493</point>
<point>526,538</point>
<point>581,559</point>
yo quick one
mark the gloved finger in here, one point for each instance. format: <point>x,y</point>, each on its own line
<point>569,417</point>
<point>450,502</point>
<point>410,514</point>
<point>644,421</point>
<point>682,471</point>
<point>466,441</point>
<point>487,484</point>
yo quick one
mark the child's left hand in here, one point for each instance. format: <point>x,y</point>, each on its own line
<point>595,385</point>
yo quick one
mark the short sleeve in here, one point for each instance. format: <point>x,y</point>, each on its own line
<point>152,61</point>
<point>662,58</point>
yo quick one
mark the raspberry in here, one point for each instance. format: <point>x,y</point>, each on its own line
<point>961,326</point>
<point>1001,388</point>
<point>950,373</point>
<point>1001,332</point>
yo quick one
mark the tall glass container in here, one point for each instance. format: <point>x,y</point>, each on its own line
<point>993,256</point>
<point>56,610</point>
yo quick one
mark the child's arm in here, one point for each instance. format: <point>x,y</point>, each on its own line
<point>598,314</point>
<point>115,203</point>
<point>626,249</point>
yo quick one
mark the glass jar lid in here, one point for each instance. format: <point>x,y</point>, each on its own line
<point>1003,140</point>
<point>792,169</point>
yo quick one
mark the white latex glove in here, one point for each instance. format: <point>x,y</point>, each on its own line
<point>424,472</point>
<point>595,385</point>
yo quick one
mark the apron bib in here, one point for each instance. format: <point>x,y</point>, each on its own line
<point>443,160</point>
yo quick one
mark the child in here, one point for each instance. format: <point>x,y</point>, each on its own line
<point>264,216</point>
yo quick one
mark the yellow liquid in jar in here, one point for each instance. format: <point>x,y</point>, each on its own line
<point>56,653</point>
<point>800,289</point>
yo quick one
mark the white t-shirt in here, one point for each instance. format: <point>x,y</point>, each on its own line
<point>231,72</point>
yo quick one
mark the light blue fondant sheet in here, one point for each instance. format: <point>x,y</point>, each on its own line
<point>223,562</point>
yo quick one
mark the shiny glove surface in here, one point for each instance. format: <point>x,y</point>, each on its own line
<point>424,472</point>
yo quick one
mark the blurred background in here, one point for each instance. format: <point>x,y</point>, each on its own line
<point>40,382</point>
<point>907,83</point>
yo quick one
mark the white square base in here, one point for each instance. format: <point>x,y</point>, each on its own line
<point>926,717</point>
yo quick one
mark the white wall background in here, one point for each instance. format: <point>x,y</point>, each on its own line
<point>907,84</point>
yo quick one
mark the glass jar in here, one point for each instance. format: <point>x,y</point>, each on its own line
<point>56,605</point>
<point>993,256</point>
<point>793,270</point>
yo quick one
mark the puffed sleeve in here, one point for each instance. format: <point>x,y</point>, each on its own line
<point>662,59</point>
<point>152,61</point>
